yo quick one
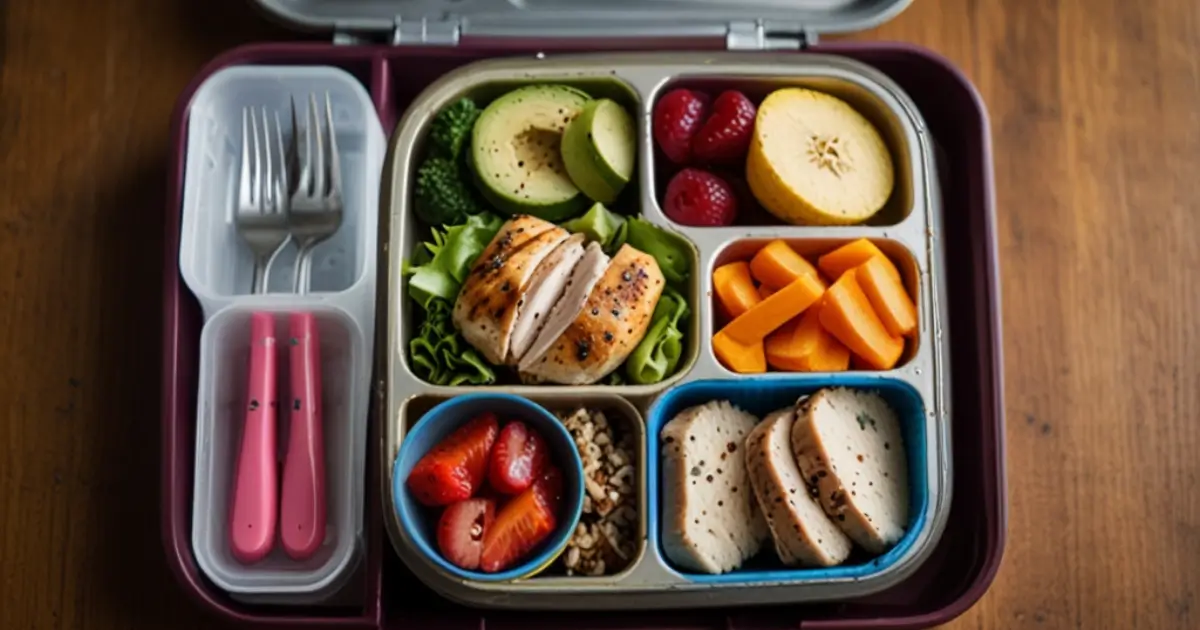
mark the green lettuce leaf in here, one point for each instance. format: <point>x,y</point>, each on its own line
<point>672,251</point>
<point>439,267</point>
<point>441,356</point>
<point>601,225</point>
<point>658,355</point>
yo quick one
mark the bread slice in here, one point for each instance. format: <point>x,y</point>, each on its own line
<point>804,535</point>
<point>849,444</point>
<point>711,522</point>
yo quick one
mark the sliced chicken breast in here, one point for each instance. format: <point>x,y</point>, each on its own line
<point>544,290</point>
<point>711,522</point>
<point>804,535</point>
<point>486,309</point>
<point>612,323</point>
<point>579,286</point>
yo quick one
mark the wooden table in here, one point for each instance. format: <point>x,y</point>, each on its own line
<point>1096,113</point>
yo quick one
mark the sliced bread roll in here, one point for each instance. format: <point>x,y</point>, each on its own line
<point>804,535</point>
<point>711,522</point>
<point>848,444</point>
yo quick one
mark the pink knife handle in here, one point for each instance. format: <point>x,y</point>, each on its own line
<point>302,513</point>
<point>255,490</point>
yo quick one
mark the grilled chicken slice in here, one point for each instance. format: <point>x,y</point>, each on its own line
<point>545,289</point>
<point>486,309</point>
<point>585,276</point>
<point>612,323</point>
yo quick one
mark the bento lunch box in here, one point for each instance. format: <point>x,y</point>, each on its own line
<point>405,62</point>
<point>905,229</point>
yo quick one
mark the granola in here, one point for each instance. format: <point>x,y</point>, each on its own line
<point>605,541</point>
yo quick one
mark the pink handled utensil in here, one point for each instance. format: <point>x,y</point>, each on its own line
<point>302,512</point>
<point>261,221</point>
<point>314,214</point>
<point>255,490</point>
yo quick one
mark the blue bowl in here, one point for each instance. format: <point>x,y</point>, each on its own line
<point>760,396</point>
<point>420,522</point>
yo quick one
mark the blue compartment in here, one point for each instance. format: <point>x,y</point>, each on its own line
<point>420,522</point>
<point>760,396</point>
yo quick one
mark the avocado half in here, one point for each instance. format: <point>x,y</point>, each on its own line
<point>515,152</point>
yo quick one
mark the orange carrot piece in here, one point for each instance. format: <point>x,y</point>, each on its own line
<point>734,288</point>
<point>777,265</point>
<point>847,314</point>
<point>887,295</point>
<point>803,345</point>
<point>849,256</point>
<point>743,358</point>
<point>773,312</point>
<point>765,291</point>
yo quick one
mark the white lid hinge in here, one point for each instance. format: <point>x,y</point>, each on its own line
<point>768,35</point>
<point>443,31</point>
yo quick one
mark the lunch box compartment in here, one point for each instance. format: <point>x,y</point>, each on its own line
<point>893,124</point>
<point>948,582</point>
<point>225,351</point>
<point>811,248</point>
<point>214,259</point>
<point>217,265</point>
<point>617,410</point>
<point>484,84</point>
<point>760,397</point>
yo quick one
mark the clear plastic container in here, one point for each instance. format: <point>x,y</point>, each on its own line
<point>218,267</point>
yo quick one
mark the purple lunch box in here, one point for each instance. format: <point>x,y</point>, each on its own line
<point>387,595</point>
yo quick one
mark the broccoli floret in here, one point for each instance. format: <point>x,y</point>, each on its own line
<point>452,126</point>
<point>443,196</point>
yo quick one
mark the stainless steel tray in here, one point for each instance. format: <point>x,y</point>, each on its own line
<point>907,229</point>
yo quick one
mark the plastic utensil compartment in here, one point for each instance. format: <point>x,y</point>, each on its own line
<point>387,595</point>
<point>217,267</point>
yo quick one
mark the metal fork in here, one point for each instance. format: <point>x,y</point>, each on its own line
<point>316,200</point>
<point>261,220</point>
<point>261,216</point>
<point>315,214</point>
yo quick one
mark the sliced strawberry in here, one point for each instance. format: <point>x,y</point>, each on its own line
<point>490,493</point>
<point>520,526</point>
<point>725,136</point>
<point>549,487</point>
<point>455,468</point>
<point>678,115</point>
<point>697,197</point>
<point>461,530</point>
<point>519,457</point>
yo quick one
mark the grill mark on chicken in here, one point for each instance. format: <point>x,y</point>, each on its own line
<point>612,321</point>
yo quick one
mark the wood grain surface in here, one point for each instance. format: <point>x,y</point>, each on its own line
<point>1095,107</point>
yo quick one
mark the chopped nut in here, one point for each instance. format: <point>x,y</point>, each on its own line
<point>606,538</point>
<point>594,489</point>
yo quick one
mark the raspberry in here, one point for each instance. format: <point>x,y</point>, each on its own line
<point>725,136</point>
<point>696,197</point>
<point>678,115</point>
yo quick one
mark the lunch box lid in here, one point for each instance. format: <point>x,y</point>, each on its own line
<point>745,24</point>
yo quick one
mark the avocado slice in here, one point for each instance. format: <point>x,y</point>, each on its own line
<point>598,149</point>
<point>516,156</point>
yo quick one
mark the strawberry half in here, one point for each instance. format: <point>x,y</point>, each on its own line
<point>519,457</point>
<point>455,468</point>
<point>725,136</point>
<point>549,487</point>
<point>521,525</point>
<point>461,531</point>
